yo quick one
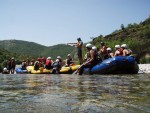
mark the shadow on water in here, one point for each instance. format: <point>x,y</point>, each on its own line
<point>73,93</point>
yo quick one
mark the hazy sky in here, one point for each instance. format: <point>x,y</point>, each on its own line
<point>51,22</point>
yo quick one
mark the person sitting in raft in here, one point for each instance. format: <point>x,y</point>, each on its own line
<point>32,62</point>
<point>103,50</point>
<point>99,56</point>
<point>48,64</point>
<point>13,65</point>
<point>69,61</point>
<point>5,71</point>
<point>110,53</point>
<point>56,66</point>
<point>119,51</point>
<point>91,59</point>
<point>126,51</point>
<point>9,65</point>
<point>23,65</point>
<point>43,60</point>
<point>40,62</point>
<point>36,65</point>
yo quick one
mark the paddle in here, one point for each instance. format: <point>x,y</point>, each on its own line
<point>75,72</point>
<point>79,68</point>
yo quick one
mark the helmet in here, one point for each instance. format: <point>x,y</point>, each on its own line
<point>117,46</point>
<point>94,48</point>
<point>79,39</point>
<point>88,45</point>
<point>124,45</point>
<point>58,57</point>
<point>102,43</point>
<point>5,69</point>
<point>48,58</point>
<point>57,60</point>
<point>68,55</point>
<point>109,49</point>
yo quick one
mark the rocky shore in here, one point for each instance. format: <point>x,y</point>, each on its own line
<point>144,68</point>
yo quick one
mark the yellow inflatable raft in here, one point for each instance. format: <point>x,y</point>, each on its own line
<point>64,70</point>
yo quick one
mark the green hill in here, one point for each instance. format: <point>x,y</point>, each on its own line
<point>36,50</point>
<point>136,36</point>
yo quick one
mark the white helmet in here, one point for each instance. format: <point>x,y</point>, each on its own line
<point>49,58</point>
<point>109,49</point>
<point>68,55</point>
<point>5,69</point>
<point>58,57</point>
<point>88,45</point>
<point>124,45</point>
<point>94,48</point>
<point>117,46</point>
<point>57,60</point>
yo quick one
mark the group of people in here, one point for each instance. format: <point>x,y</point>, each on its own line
<point>10,68</point>
<point>94,55</point>
<point>48,63</point>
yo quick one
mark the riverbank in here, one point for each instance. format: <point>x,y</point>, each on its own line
<point>144,68</point>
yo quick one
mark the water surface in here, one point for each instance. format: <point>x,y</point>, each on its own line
<point>27,93</point>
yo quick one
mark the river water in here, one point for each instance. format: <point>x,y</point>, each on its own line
<point>45,93</point>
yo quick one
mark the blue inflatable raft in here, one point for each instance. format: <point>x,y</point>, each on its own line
<point>115,65</point>
<point>20,71</point>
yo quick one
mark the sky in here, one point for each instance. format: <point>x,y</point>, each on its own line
<point>52,22</point>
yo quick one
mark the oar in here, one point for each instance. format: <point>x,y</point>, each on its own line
<point>79,68</point>
<point>75,72</point>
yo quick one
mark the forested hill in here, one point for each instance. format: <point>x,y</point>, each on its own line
<point>136,36</point>
<point>36,50</point>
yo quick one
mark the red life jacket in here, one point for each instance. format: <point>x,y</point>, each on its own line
<point>104,50</point>
<point>48,62</point>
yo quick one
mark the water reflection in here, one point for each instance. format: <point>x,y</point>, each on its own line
<point>72,93</point>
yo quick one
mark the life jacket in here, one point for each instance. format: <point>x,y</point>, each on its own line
<point>48,62</point>
<point>69,61</point>
<point>56,64</point>
<point>104,50</point>
<point>44,60</point>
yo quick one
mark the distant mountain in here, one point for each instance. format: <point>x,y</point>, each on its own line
<point>36,50</point>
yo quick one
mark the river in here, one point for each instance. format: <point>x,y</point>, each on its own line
<point>48,93</point>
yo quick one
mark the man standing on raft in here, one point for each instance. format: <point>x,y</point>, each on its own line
<point>78,45</point>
